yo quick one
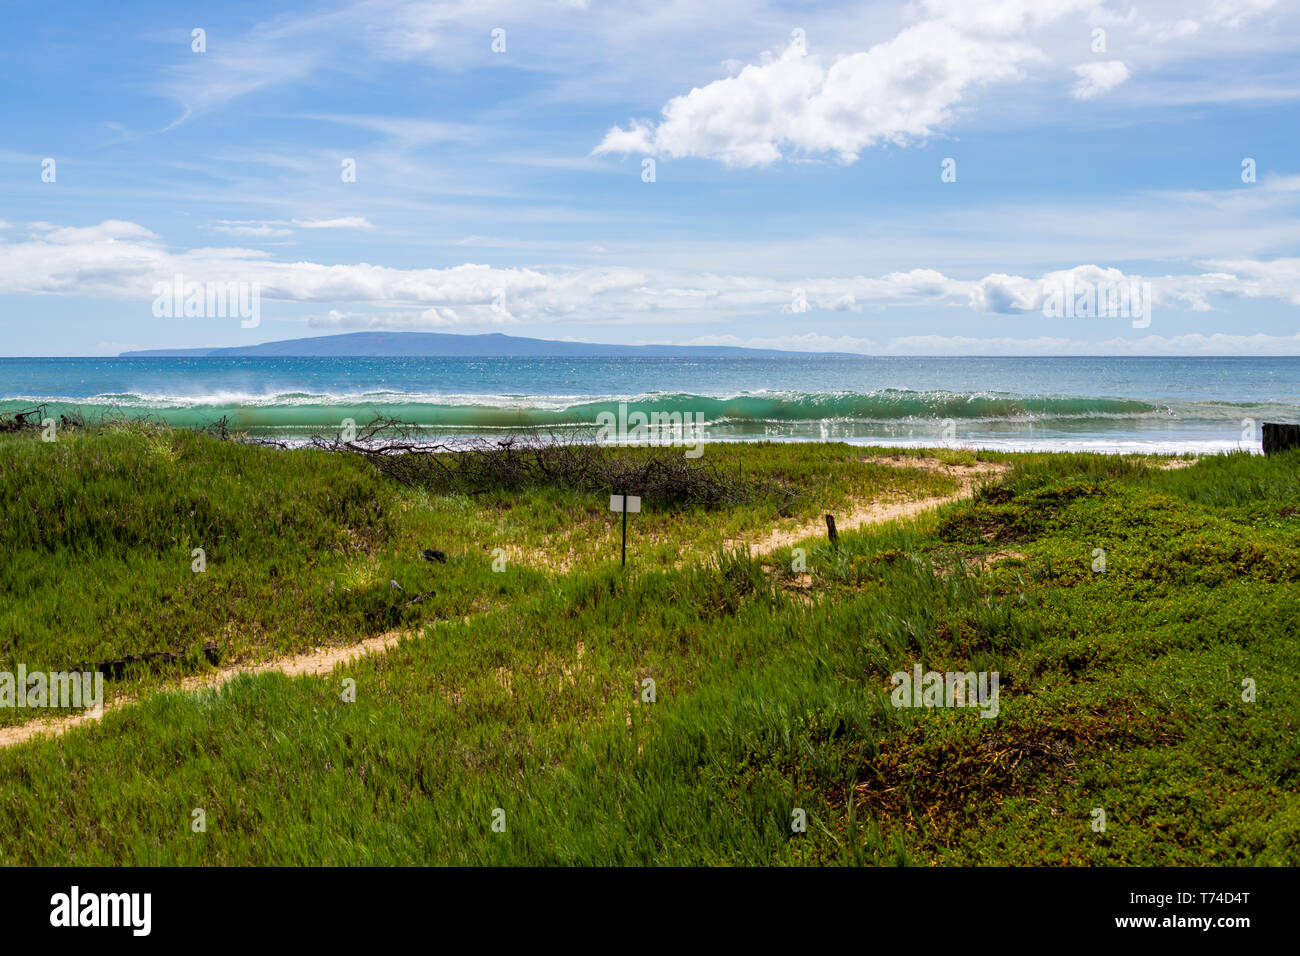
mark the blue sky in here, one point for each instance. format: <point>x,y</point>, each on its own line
<point>797,199</point>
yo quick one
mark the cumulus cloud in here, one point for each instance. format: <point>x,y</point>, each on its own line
<point>122,260</point>
<point>1006,294</point>
<point>1274,279</point>
<point>1096,79</point>
<point>909,87</point>
<point>899,91</point>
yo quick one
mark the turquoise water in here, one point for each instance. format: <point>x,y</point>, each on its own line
<point>1109,404</point>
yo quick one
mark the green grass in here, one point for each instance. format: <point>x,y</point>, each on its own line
<point>300,548</point>
<point>521,690</point>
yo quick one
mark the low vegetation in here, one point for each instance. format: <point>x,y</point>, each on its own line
<point>685,711</point>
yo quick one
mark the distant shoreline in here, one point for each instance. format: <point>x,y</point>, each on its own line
<point>354,345</point>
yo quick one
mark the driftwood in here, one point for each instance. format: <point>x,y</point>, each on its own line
<point>405,453</point>
<point>1279,436</point>
<point>27,418</point>
<point>116,667</point>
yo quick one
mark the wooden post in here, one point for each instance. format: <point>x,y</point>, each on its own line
<point>830,530</point>
<point>624,503</point>
<point>1280,436</point>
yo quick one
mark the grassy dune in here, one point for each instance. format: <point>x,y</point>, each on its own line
<point>522,690</point>
<point>300,549</point>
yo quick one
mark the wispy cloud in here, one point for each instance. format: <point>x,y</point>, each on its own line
<point>272,228</point>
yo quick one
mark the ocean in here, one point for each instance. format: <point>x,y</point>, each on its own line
<point>1199,405</point>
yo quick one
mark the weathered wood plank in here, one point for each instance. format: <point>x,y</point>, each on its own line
<point>1279,436</point>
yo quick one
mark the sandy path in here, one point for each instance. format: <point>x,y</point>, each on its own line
<point>318,662</point>
<point>878,512</point>
<point>324,660</point>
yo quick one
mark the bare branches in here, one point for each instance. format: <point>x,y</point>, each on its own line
<point>663,474</point>
<point>398,449</point>
<point>27,418</point>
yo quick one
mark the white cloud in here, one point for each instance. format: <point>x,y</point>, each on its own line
<point>899,91</point>
<point>250,229</point>
<point>1096,79</point>
<point>109,231</point>
<point>358,38</point>
<point>277,228</point>
<point>1275,279</point>
<point>342,222</point>
<point>637,138</point>
<point>915,84</point>
<point>478,316</point>
<point>1006,294</point>
<point>122,260</point>
<point>1193,344</point>
<point>1234,13</point>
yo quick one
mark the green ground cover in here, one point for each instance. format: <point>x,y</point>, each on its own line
<point>525,690</point>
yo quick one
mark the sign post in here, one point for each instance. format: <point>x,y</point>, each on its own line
<point>624,503</point>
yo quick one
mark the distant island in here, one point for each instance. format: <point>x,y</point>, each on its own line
<point>452,345</point>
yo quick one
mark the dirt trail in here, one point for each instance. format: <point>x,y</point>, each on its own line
<point>878,512</point>
<point>324,660</point>
<point>318,662</point>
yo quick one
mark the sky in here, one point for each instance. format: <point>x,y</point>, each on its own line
<point>933,177</point>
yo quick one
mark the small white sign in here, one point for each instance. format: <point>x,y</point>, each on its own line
<point>633,503</point>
